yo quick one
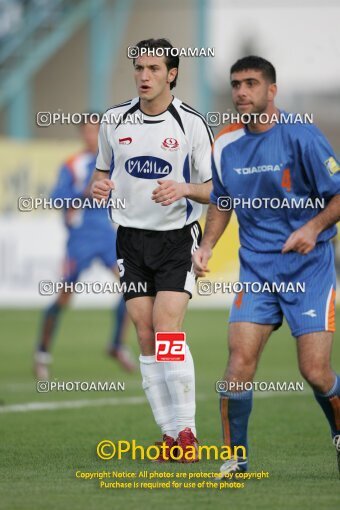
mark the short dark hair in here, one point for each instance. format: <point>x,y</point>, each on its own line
<point>256,63</point>
<point>171,61</point>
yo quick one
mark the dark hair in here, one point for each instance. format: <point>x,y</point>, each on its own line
<point>171,61</point>
<point>256,63</point>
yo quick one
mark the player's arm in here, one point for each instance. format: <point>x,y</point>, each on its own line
<point>101,185</point>
<point>323,172</point>
<point>328,217</point>
<point>170,191</point>
<point>199,192</point>
<point>216,223</point>
<point>304,239</point>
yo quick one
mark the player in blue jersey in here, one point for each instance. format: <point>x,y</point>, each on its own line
<point>281,161</point>
<point>90,237</point>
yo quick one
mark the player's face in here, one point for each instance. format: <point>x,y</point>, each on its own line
<point>89,133</point>
<point>251,92</point>
<point>152,77</point>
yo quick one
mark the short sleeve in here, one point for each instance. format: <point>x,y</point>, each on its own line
<point>104,157</point>
<point>201,151</point>
<point>218,189</point>
<point>322,166</point>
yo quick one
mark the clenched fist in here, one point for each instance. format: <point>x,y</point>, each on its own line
<point>100,190</point>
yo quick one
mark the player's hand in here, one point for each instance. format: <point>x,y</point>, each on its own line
<point>169,191</point>
<point>101,189</point>
<point>200,260</point>
<point>302,240</point>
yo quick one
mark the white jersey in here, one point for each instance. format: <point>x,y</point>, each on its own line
<point>174,145</point>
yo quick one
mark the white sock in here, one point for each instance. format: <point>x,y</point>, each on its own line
<point>157,393</point>
<point>180,378</point>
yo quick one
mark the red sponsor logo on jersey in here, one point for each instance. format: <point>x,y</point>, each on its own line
<point>170,346</point>
<point>170,144</point>
<point>125,141</point>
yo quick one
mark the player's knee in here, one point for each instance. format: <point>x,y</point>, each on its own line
<point>240,369</point>
<point>242,362</point>
<point>64,300</point>
<point>143,326</point>
<point>145,333</point>
<point>64,297</point>
<point>314,374</point>
<point>64,305</point>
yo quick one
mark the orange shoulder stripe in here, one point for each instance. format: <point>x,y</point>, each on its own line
<point>229,128</point>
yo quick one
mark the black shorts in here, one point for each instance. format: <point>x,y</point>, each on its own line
<point>150,261</point>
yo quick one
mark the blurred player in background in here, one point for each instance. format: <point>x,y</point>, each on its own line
<point>91,237</point>
<point>282,161</point>
<point>161,167</point>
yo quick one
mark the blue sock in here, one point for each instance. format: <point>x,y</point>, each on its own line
<point>48,327</point>
<point>235,410</point>
<point>330,404</point>
<point>120,313</point>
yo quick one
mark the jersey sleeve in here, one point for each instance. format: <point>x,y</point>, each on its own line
<point>104,157</point>
<point>64,187</point>
<point>201,153</point>
<point>218,189</point>
<point>322,166</point>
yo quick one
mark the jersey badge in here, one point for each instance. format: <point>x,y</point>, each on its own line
<point>170,144</point>
<point>332,166</point>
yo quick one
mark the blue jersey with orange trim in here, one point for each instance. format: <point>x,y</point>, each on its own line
<point>74,177</point>
<point>288,161</point>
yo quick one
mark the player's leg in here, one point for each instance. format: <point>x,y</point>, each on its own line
<point>169,255</point>
<point>161,260</point>
<point>117,348</point>
<point>120,323</point>
<point>314,354</point>
<point>42,357</point>
<point>246,341</point>
<point>78,258</point>
<point>252,319</point>
<point>311,317</point>
<point>168,315</point>
<point>140,310</point>
<point>139,303</point>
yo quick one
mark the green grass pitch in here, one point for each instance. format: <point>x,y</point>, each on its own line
<point>40,451</point>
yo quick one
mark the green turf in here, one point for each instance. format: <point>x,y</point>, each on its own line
<point>40,451</point>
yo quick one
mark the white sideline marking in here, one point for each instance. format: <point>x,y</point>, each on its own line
<point>78,404</point>
<point>28,387</point>
<point>70,404</point>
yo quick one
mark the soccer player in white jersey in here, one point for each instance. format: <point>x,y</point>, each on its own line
<point>161,168</point>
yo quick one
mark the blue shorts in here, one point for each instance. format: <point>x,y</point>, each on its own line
<point>82,251</point>
<point>305,312</point>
